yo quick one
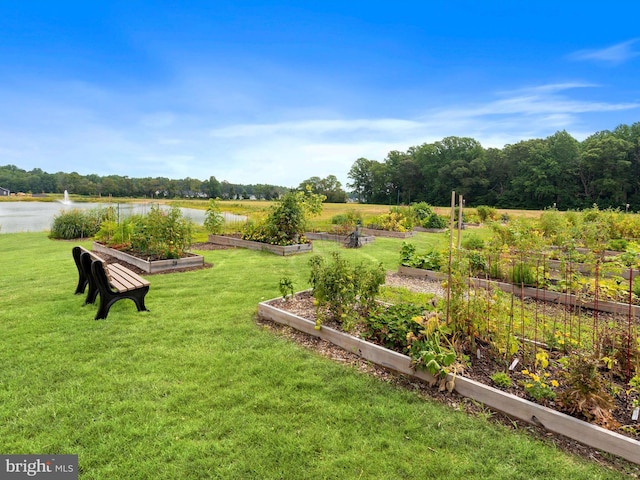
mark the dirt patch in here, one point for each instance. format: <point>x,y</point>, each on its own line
<point>208,246</point>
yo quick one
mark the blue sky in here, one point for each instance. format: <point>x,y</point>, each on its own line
<point>277,92</point>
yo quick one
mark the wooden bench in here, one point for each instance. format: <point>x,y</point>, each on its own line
<point>112,282</point>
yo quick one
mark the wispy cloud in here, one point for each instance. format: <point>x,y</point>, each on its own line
<point>121,134</point>
<point>614,55</point>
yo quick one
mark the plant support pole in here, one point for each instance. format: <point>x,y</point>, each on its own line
<point>453,206</point>
<point>460,202</point>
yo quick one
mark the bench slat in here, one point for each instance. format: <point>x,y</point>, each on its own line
<point>132,277</point>
<point>123,279</point>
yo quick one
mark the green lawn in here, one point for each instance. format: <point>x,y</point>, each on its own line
<point>194,388</point>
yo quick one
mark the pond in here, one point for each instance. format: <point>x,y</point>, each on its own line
<point>38,216</point>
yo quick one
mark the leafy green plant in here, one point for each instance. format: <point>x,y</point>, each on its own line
<point>501,379</point>
<point>398,219</point>
<point>286,287</point>
<point>431,260</point>
<point>162,234</point>
<point>346,291</point>
<point>431,348</point>
<point>158,234</point>
<point>538,385</point>
<point>389,325</point>
<point>435,221</point>
<point>618,244</point>
<point>287,220</point>
<point>346,222</point>
<point>472,242</point>
<point>77,223</point>
<point>585,393</point>
<point>523,273</point>
<point>634,387</point>
<point>486,213</point>
<point>213,219</point>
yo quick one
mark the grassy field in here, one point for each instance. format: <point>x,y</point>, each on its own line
<point>195,389</point>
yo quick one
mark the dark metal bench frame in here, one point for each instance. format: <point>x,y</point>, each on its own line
<point>111,282</point>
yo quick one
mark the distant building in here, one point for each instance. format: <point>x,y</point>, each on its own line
<point>4,192</point>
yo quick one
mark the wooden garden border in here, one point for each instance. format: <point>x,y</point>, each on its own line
<point>154,266</point>
<point>386,233</point>
<point>364,239</point>
<point>266,247</point>
<point>516,407</point>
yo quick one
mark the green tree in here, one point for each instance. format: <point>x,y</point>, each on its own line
<point>605,169</point>
<point>362,176</point>
<point>329,186</point>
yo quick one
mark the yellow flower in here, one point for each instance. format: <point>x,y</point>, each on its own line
<point>554,383</point>
<point>535,377</point>
<point>525,372</point>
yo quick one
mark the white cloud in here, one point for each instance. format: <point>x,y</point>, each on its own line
<point>614,55</point>
<point>119,134</point>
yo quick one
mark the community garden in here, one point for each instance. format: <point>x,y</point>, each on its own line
<point>196,388</point>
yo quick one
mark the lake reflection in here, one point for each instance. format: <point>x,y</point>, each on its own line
<point>38,216</point>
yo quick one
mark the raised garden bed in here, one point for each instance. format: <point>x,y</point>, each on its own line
<point>386,233</point>
<point>589,269</point>
<point>151,266</point>
<point>512,405</point>
<point>265,247</point>
<point>531,292</point>
<point>331,237</point>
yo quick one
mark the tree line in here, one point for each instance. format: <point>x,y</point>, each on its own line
<point>37,181</point>
<point>603,169</point>
<point>560,171</point>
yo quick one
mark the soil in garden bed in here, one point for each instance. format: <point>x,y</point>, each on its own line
<point>479,368</point>
<point>109,259</point>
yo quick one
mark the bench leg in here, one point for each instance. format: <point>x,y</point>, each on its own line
<point>107,299</point>
<point>82,277</point>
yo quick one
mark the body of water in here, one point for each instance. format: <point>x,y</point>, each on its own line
<point>38,216</point>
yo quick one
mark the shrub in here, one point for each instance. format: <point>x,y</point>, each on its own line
<point>350,218</point>
<point>618,244</point>
<point>287,221</point>
<point>585,393</point>
<point>213,220</point>
<point>486,213</point>
<point>554,225</point>
<point>435,221</point>
<point>398,219</point>
<point>431,260</point>
<point>162,234</point>
<point>346,291</point>
<point>473,242</point>
<point>159,234</point>
<point>422,211</point>
<point>77,223</point>
<point>389,325</point>
<point>477,261</point>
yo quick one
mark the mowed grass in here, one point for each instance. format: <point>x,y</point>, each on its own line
<point>195,389</point>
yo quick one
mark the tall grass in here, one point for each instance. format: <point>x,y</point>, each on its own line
<point>195,389</point>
